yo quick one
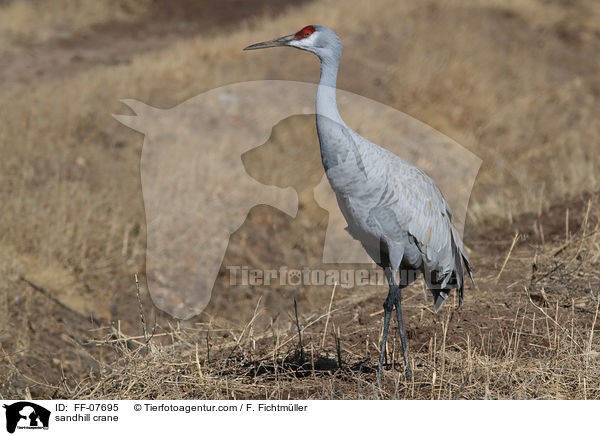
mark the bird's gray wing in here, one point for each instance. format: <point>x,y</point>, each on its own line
<point>422,211</point>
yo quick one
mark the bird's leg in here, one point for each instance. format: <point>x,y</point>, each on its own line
<point>394,298</point>
<point>388,306</point>
<point>403,335</point>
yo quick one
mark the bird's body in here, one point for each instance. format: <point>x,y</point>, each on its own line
<point>392,207</point>
<point>386,199</point>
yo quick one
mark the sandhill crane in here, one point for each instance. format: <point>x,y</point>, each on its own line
<point>393,208</point>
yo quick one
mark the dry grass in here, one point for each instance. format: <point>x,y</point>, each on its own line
<point>514,81</point>
<point>537,338</point>
<point>543,344</point>
<point>37,21</point>
<point>543,347</point>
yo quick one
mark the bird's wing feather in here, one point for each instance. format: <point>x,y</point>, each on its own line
<point>403,206</point>
<point>420,209</point>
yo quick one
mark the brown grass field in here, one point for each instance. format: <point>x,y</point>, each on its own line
<point>517,82</point>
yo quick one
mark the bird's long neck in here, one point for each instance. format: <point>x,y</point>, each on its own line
<point>326,101</point>
<point>330,126</point>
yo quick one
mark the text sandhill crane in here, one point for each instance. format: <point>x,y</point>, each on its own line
<point>393,208</point>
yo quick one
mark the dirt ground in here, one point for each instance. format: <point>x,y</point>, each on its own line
<point>521,94</point>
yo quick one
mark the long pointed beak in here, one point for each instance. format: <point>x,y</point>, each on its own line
<point>284,40</point>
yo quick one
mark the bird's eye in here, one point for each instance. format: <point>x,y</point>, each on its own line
<point>305,32</point>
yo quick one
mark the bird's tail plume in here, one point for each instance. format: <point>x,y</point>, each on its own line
<point>456,279</point>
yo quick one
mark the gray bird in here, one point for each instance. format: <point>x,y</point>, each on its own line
<point>393,208</point>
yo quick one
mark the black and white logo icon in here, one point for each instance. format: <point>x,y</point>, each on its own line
<point>26,415</point>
